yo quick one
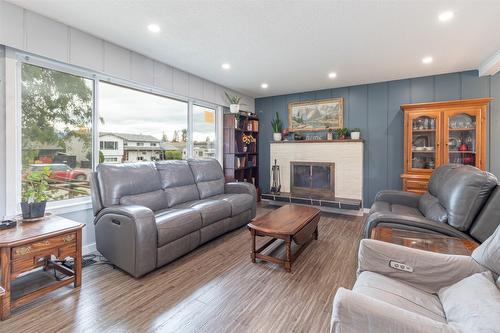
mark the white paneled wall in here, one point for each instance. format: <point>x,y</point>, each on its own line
<point>33,33</point>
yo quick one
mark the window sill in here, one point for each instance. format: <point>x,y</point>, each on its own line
<point>69,206</point>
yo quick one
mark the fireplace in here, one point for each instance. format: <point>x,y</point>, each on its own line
<point>314,179</point>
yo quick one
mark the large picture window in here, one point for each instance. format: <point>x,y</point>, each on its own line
<point>203,132</point>
<point>57,129</point>
<point>146,127</point>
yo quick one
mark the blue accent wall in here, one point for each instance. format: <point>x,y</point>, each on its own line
<point>375,109</point>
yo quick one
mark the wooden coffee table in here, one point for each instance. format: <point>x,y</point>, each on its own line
<point>31,245</point>
<point>425,241</point>
<point>289,223</point>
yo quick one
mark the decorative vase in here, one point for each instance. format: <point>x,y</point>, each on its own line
<point>355,135</point>
<point>245,148</point>
<point>329,136</point>
<point>277,136</point>
<point>234,108</point>
<point>33,210</point>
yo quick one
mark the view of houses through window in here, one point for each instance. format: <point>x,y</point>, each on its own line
<point>57,113</point>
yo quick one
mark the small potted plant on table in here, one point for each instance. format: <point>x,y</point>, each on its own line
<point>277,126</point>
<point>35,194</point>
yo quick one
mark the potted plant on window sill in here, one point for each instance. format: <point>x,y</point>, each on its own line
<point>277,126</point>
<point>234,102</point>
<point>35,194</point>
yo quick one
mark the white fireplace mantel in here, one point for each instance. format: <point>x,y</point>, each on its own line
<point>346,154</point>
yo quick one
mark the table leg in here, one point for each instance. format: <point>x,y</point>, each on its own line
<point>253,245</point>
<point>288,260</point>
<point>316,233</point>
<point>78,259</point>
<point>5,283</point>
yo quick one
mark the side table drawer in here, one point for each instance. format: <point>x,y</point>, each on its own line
<point>29,250</point>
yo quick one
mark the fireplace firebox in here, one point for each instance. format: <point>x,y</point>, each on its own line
<point>314,179</point>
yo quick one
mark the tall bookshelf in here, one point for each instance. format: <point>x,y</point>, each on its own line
<point>241,164</point>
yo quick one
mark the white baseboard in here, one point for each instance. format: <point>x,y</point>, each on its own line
<point>89,248</point>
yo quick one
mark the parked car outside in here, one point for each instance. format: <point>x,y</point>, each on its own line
<point>60,171</point>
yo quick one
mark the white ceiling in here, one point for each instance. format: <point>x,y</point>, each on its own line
<point>292,45</point>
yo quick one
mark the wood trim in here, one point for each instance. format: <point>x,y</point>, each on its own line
<point>444,104</point>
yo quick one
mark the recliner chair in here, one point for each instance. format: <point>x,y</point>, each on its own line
<point>405,290</point>
<point>462,201</point>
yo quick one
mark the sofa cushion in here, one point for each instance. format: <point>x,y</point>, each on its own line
<point>153,200</point>
<point>208,176</point>
<point>399,294</point>
<point>472,304</point>
<point>239,202</point>
<point>430,207</point>
<point>118,180</point>
<point>211,210</point>
<point>173,224</point>
<point>177,181</point>
<point>385,207</point>
<point>463,192</point>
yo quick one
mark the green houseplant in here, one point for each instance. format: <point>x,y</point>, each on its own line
<point>234,102</point>
<point>355,133</point>
<point>341,133</point>
<point>35,194</point>
<point>277,126</point>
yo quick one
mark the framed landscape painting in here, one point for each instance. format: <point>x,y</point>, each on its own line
<point>316,115</point>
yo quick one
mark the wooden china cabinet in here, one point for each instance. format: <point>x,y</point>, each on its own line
<point>440,133</point>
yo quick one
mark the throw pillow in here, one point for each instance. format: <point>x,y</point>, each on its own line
<point>472,304</point>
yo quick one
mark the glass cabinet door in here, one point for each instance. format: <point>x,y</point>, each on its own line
<point>461,137</point>
<point>424,141</point>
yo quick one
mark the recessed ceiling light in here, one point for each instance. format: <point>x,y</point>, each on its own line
<point>427,60</point>
<point>332,75</point>
<point>226,66</point>
<point>154,28</point>
<point>446,16</point>
<point>264,85</point>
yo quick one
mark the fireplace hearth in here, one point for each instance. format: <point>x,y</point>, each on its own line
<point>313,179</point>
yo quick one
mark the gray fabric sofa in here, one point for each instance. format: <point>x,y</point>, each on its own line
<point>148,214</point>
<point>462,201</point>
<point>439,294</point>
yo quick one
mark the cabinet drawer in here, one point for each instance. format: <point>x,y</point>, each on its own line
<point>28,250</point>
<point>418,186</point>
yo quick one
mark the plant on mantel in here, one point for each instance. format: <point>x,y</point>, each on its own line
<point>341,133</point>
<point>277,126</point>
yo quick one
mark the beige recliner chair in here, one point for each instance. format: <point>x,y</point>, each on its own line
<point>400,289</point>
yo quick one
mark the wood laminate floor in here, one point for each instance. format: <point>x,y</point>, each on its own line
<point>216,288</point>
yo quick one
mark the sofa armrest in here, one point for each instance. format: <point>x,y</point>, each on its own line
<point>398,198</point>
<point>431,271</point>
<point>127,236</point>
<point>409,222</point>
<point>354,312</point>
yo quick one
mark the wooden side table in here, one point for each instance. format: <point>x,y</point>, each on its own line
<point>32,245</point>
<point>425,241</point>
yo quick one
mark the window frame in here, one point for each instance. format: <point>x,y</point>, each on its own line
<point>13,66</point>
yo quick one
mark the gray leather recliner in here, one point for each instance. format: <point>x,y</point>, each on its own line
<point>462,201</point>
<point>148,214</point>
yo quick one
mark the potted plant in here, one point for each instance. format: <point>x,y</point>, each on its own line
<point>355,133</point>
<point>35,194</point>
<point>329,134</point>
<point>234,102</point>
<point>341,133</point>
<point>277,126</point>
